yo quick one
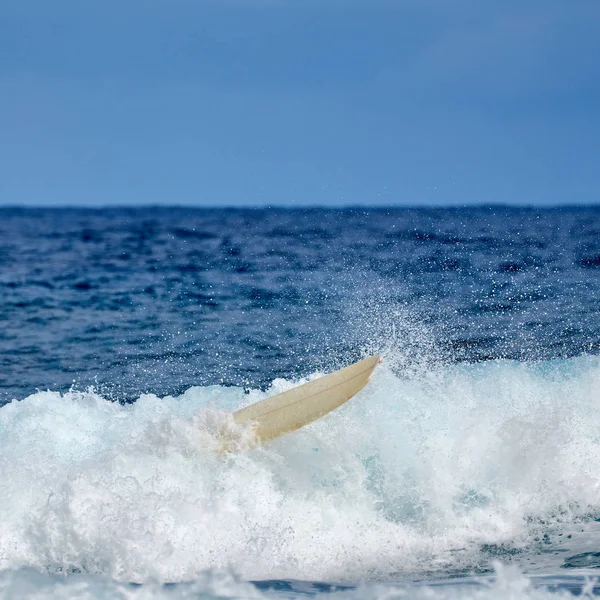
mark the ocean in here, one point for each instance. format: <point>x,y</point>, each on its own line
<point>468,467</point>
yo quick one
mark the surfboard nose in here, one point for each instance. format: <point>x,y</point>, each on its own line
<point>291,410</point>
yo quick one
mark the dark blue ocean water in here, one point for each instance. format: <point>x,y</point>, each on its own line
<point>159,299</point>
<point>473,451</point>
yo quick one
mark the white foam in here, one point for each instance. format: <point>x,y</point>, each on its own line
<point>508,583</point>
<point>412,476</point>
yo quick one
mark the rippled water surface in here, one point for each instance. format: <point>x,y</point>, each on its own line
<point>161,299</point>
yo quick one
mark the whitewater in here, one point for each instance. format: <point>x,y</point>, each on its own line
<point>428,477</point>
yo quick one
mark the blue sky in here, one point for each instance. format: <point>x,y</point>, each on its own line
<point>254,102</point>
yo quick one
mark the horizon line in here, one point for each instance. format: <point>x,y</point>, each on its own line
<point>291,207</point>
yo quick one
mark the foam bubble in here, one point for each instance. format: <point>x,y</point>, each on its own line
<point>415,475</point>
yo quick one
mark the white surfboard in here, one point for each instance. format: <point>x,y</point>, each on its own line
<point>291,410</point>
